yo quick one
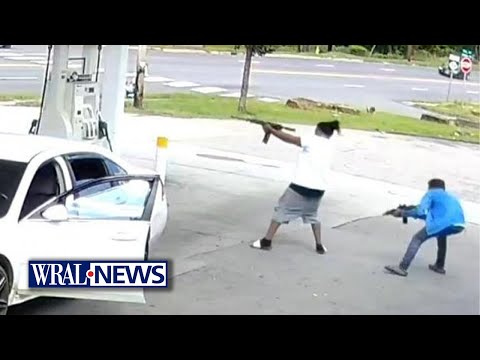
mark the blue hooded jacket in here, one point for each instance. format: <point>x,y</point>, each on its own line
<point>440,210</point>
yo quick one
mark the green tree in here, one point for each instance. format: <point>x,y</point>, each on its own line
<point>250,51</point>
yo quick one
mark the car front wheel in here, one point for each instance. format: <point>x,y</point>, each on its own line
<point>4,291</point>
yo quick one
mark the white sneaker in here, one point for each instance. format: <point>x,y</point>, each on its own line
<point>321,249</point>
<point>261,244</point>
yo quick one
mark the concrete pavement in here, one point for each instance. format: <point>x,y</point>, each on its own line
<point>384,86</point>
<point>218,206</point>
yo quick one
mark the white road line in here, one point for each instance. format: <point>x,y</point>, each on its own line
<point>357,76</point>
<point>10,78</point>
<point>325,65</point>
<point>183,51</point>
<point>42,62</point>
<point>473,92</point>
<point>209,89</point>
<point>17,65</point>
<point>5,54</point>
<point>353,86</point>
<point>268,100</point>
<point>388,69</point>
<point>24,58</point>
<point>182,84</point>
<point>419,89</point>
<point>157,79</point>
<point>36,54</point>
<point>253,61</point>
<point>235,95</point>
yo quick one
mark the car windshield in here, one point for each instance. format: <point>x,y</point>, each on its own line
<point>11,173</point>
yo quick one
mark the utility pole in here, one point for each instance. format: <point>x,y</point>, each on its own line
<point>140,76</point>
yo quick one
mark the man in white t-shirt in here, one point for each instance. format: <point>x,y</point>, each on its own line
<point>302,198</point>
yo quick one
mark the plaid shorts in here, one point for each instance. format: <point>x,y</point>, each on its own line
<point>292,205</point>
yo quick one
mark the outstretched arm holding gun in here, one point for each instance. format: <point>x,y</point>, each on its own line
<point>413,211</point>
<point>276,130</point>
<point>273,128</point>
<point>401,211</point>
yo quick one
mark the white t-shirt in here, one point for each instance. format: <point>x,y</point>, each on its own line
<point>313,164</point>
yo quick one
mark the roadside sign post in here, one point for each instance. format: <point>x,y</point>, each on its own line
<point>466,67</point>
<point>453,65</point>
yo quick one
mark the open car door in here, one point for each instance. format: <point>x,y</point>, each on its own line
<point>106,219</point>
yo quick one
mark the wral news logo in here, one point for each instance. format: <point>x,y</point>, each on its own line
<point>102,274</point>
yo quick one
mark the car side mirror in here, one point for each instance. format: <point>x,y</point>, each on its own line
<point>56,213</point>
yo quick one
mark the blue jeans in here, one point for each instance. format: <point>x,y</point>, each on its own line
<point>422,236</point>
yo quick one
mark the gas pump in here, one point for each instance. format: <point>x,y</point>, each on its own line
<point>71,101</point>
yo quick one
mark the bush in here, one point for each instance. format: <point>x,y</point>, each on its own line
<point>396,56</point>
<point>359,50</point>
<point>342,49</point>
<point>288,48</point>
<point>323,48</point>
<point>442,51</point>
<point>422,55</point>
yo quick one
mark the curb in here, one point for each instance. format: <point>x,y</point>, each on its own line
<point>8,103</point>
<point>278,55</point>
<point>425,137</point>
<point>26,103</point>
<point>309,57</point>
<point>179,51</point>
<point>291,56</point>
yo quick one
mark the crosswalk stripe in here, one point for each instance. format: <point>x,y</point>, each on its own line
<point>235,95</point>
<point>9,78</point>
<point>182,84</point>
<point>157,79</point>
<point>209,89</point>
<point>24,58</point>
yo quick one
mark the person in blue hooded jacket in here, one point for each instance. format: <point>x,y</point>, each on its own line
<point>443,216</point>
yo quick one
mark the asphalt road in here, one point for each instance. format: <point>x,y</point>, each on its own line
<point>384,86</point>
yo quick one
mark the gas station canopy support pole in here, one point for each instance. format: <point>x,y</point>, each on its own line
<point>90,53</point>
<point>77,105</point>
<point>113,89</point>
<point>54,105</point>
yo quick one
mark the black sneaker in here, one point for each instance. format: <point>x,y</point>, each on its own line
<point>397,270</point>
<point>262,244</point>
<point>321,249</point>
<point>437,269</point>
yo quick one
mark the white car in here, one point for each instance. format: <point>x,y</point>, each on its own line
<point>69,200</point>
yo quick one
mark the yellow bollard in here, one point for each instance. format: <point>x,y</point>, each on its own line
<point>161,158</point>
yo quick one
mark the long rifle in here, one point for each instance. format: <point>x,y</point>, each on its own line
<point>275,126</point>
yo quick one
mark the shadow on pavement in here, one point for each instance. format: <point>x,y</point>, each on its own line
<point>39,306</point>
